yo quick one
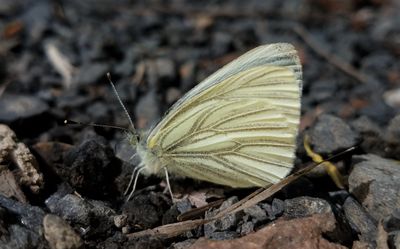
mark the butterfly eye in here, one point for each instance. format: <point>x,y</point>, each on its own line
<point>133,139</point>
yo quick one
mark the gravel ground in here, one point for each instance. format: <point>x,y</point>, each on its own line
<point>61,186</point>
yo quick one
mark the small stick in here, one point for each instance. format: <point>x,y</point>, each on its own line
<point>331,58</point>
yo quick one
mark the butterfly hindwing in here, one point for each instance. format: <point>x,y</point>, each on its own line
<point>238,127</point>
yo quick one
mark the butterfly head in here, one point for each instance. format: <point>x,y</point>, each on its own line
<point>133,139</point>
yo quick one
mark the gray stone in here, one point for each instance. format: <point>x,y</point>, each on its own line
<point>16,107</point>
<point>225,235</point>
<point>256,212</point>
<point>184,205</point>
<point>371,133</point>
<point>91,73</point>
<point>165,69</point>
<point>359,220</point>
<point>183,245</point>
<point>20,238</point>
<point>392,222</point>
<point>85,212</point>
<point>30,216</point>
<point>375,182</point>
<point>394,240</point>
<point>277,208</point>
<point>212,229</point>
<point>72,208</point>
<point>306,206</point>
<point>246,228</point>
<point>332,134</point>
<point>147,110</point>
<point>392,138</point>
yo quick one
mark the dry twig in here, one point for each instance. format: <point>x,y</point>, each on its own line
<point>331,58</point>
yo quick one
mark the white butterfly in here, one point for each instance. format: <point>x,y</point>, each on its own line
<point>237,128</point>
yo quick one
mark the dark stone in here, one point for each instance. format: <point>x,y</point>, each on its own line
<point>91,169</point>
<point>257,213</point>
<point>322,90</point>
<point>85,213</point>
<point>225,235</point>
<point>372,135</point>
<point>127,65</point>
<point>146,211</point>
<point>306,206</point>
<point>246,228</point>
<point>222,42</point>
<point>166,70</point>
<point>71,100</point>
<point>149,242</point>
<point>379,62</point>
<point>91,73</point>
<point>277,208</point>
<point>392,138</point>
<point>71,208</point>
<point>172,95</point>
<point>339,196</point>
<point>385,28</point>
<point>127,90</point>
<point>331,134</point>
<point>392,222</point>
<point>184,205</point>
<point>30,216</point>
<point>21,238</point>
<point>36,18</point>
<point>63,189</point>
<point>3,216</point>
<point>359,220</point>
<point>183,244</point>
<point>378,110</point>
<point>375,183</point>
<point>394,240</point>
<point>20,107</point>
<point>99,113</point>
<point>147,110</point>
<point>218,229</point>
<point>171,215</point>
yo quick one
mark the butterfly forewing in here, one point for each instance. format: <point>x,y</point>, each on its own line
<point>238,127</point>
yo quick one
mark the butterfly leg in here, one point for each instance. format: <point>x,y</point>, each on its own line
<point>131,179</point>
<point>137,170</point>
<point>168,184</point>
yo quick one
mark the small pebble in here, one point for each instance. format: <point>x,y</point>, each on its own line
<point>60,234</point>
<point>219,229</point>
<point>306,206</point>
<point>331,134</point>
<point>359,220</point>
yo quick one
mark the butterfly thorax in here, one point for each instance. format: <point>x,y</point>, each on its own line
<point>150,159</point>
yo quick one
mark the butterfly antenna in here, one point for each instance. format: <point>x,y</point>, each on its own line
<point>122,104</point>
<point>72,122</point>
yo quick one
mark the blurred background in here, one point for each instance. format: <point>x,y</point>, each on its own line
<point>55,55</point>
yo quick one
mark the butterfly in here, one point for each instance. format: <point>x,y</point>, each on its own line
<point>237,128</point>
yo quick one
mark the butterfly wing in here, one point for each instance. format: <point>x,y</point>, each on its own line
<point>238,127</point>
